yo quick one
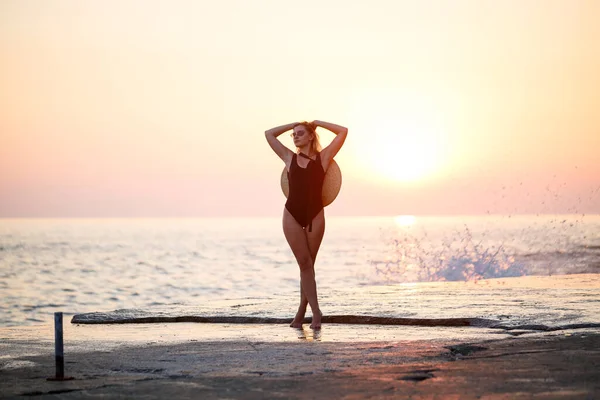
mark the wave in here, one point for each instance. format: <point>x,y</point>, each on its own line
<point>141,317</point>
<point>118,317</point>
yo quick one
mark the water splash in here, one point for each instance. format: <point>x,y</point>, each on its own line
<point>458,257</point>
<point>491,247</point>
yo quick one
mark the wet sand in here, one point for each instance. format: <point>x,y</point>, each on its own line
<point>157,361</point>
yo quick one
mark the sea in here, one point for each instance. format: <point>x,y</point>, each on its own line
<point>510,272</point>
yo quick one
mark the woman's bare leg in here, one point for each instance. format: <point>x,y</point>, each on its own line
<point>299,318</point>
<point>314,239</point>
<point>314,243</point>
<point>305,246</point>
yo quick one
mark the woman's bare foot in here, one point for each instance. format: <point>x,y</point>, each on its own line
<point>296,324</point>
<point>316,321</point>
<point>298,319</point>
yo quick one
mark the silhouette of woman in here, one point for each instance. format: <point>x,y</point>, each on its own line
<point>303,214</point>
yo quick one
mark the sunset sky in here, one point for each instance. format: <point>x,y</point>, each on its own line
<point>158,108</point>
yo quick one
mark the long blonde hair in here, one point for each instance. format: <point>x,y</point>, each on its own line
<point>312,128</point>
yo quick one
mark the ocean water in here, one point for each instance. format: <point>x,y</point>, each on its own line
<point>514,272</point>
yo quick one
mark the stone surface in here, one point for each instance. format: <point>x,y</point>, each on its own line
<point>543,367</point>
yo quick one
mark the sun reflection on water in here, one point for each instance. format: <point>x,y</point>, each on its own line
<point>405,220</point>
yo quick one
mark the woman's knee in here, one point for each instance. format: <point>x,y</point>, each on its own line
<point>305,263</point>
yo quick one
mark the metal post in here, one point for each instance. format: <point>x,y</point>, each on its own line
<point>58,345</point>
<point>59,356</point>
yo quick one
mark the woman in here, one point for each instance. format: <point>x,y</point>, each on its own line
<point>303,216</point>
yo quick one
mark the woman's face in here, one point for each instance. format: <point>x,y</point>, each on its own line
<point>301,136</point>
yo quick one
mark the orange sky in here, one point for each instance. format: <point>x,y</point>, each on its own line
<point>158,108</point>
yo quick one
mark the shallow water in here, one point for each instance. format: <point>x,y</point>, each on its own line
<point>522,303</point>
<point>243,267</point>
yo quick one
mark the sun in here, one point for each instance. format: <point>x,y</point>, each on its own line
<point>404,149</point>
<point>402,135</point>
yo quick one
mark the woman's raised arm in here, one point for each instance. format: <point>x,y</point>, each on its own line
<point>283,152</point>
<point>330,151</point>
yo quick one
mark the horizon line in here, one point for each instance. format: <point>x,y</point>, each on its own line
<point>507,215</point>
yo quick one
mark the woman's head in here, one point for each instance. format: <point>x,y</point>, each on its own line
<point>305,133</point>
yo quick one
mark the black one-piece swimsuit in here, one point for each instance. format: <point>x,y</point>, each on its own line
<point>305,200</point>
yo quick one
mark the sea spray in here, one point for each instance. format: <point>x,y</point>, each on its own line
<point>546,245</point>
<point>456,258</point>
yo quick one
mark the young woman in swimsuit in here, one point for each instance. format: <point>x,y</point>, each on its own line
<point>303,215</point>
